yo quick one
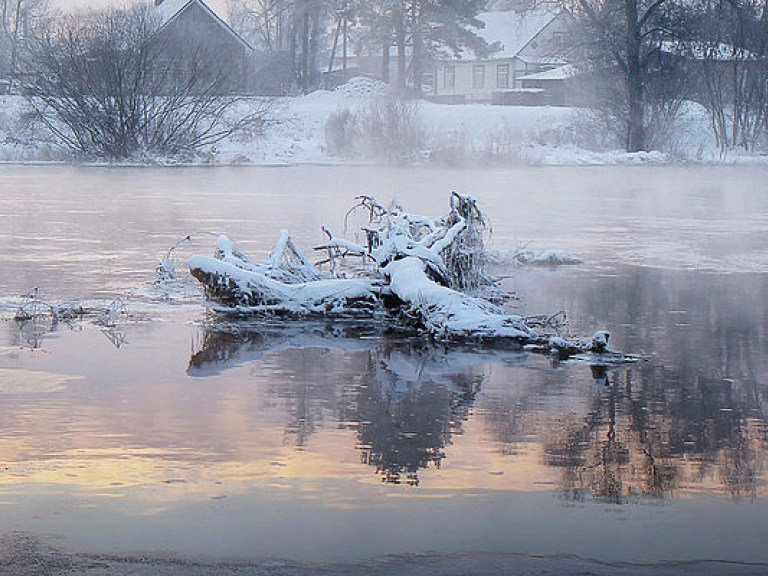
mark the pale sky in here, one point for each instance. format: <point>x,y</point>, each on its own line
<point>220,6</point>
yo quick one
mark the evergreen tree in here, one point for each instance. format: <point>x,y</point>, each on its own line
<point>420,30</point>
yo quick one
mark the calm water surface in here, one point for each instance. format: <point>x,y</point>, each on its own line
<point>332,442</point>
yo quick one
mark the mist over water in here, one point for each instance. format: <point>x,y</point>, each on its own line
<point>338,442</point>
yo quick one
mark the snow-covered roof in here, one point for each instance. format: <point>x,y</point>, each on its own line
<point>717,51</point>
<point>513,30</point>
<point>169,10</point>
<point>548,61</point>
<point>559,73</point>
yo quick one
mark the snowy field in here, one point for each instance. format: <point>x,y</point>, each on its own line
<point>467,133</point>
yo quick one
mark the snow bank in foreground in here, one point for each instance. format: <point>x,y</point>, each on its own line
<point>455,133</point>
<point>32,553</point>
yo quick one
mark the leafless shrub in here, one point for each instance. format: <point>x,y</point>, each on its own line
<point>389,130</point>
<point>339,132</point>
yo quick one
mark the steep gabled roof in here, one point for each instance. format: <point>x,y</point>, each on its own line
<point>513,30</point>
<point>169,10</point>
<point>559,73</point>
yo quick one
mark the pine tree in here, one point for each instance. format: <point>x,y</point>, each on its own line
<point>431,28</point>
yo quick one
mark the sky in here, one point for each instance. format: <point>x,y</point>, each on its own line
<point>219,5</point>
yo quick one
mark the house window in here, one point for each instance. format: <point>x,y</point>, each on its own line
<point>502,76</point>
<point>478,77</point>
<point>428,82</point>
<point>558,39</point>
<point>449,77</point>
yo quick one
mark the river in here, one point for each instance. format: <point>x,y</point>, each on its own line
<point>306,443</point>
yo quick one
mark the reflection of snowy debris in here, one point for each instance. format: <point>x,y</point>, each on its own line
<point>36,318</point>
<point>109,320</point>
<point>401,369</point>
<point>116,337</point>
<point>33,307</point>
<point>114,313</point>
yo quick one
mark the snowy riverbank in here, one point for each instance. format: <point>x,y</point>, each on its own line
<point>452,134</point>
<point>24,554</point>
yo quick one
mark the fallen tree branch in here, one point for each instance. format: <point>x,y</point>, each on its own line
<point>425,275</point>
<point>450,315</point>
<point>245,291</point>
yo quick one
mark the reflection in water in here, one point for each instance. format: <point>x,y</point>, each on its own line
<point>695,414</point>
<point>404,399</point>
<point>649,437</point>
<point>646,431</point>
<point>404,424</point>
<point>692,418</point>
<point>288,424</point>
<point>30,333</point>
<point>258,436</point>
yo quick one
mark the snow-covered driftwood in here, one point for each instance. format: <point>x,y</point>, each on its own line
<point>248,290</point>
<point>426,273</point>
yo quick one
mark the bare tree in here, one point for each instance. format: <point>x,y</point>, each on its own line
<point>623,49</point>
<point>731,49</point>
<point>17,19</point>
<point>110,86</point>
<point>292,27</point>
<point>260,22</point>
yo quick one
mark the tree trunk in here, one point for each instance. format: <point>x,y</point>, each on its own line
<point>293,32</point>
<point>385,60</point>
<point>314,37</point>
<point>636,119</point>
<point>399,26</point>
<point>344,55</point>
<point>15,44</point>
<point>335,46</point>
<point>304,55</point>
<point>4,17</point>
<point>417,59</point>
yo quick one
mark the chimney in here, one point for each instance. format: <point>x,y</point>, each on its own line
<point>158,2</point>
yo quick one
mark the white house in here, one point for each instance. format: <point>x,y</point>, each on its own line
<point>528,43</point>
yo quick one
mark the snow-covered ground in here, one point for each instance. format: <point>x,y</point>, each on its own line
<point>453,133</point>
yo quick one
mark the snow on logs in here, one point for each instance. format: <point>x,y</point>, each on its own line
<point>416,269</point>
<point>447,314</point>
